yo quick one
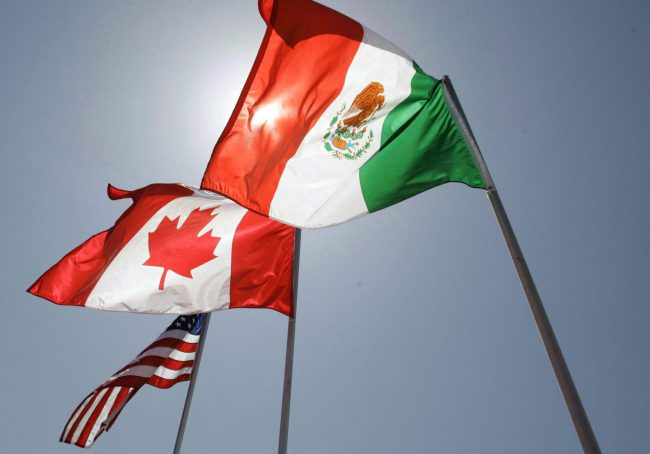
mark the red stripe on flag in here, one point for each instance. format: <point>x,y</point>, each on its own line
<point>80,416</point>
<point>64,282</point>
<point>299,70</point>
<point>262,270</point>
<point>72,279</point>
<point>165,383</point>
<point>158,361</point>
<point>128,381</point>
<point>72,416</point>
<point>178,344</point>
<point>83,437</point>
<point>174,364</point>
<point>146,361</point>
<point>118,406</point>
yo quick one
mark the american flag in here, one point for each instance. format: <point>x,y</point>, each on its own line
<point>167,361</point>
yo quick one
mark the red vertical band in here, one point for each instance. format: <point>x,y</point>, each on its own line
<point>71,280</point>
<point>262,265</point>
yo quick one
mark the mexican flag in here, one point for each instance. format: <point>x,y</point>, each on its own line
<point>334,122</point>
<point>178,250</point>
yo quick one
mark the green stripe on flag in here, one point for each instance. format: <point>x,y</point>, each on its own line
<point>421,147</point>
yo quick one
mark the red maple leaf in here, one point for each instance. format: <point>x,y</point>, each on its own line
<point>181,249</point>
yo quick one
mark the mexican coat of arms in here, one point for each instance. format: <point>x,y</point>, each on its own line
<point>348,136</point>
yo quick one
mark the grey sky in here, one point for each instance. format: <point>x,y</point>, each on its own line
<point>413,334</point>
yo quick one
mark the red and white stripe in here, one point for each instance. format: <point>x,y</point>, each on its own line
<point>167,361</point>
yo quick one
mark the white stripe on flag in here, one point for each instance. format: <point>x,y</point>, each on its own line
<point>76,415</point>
<point>179,334</point>
<point>167,352</point>
<point>170,374</point>
<point>84,420</point>
<point>102,416</point>
<point>149,371</point>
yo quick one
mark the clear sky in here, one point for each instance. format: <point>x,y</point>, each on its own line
<point>413,334</point>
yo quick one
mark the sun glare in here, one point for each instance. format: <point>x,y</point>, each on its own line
<point>267,114</point>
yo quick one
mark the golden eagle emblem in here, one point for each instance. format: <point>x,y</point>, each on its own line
<point>348,137</point>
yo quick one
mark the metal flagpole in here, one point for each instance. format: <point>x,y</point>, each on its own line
<point>560,368</point>
<point>190,389</point>
<point>288,364</point>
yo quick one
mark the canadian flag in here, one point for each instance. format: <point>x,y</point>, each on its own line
<point>177,250</point>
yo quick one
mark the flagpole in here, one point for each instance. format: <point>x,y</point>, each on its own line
<point>288,364</point>
<point>560,368</point>
<point>190,388</point>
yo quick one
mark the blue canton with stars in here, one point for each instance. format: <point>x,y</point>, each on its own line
<point>191,323</point>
